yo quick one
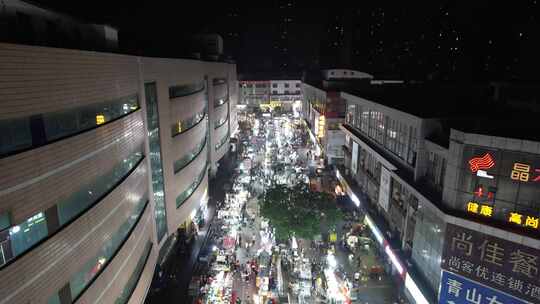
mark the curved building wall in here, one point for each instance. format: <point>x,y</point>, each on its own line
<point>101,155</point>
<point>74,176</point>
<point>219,106</point>
<point>183,119</point>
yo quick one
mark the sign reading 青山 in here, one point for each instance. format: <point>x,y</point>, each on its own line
<point>456,289</point>
<point>500,264</point>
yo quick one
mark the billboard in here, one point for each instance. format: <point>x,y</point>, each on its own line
<point>456,289</point>
<point>501,185</point>
<point>502,265</point>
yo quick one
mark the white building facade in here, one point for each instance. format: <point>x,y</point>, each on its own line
<point>442,207</point>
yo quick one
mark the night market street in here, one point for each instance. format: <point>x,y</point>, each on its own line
<point>240,261</point>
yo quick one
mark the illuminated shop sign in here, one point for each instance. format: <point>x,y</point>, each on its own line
<point>503,186</point>
<point>457,289</point>
<point>479,165</point>
<point>522,172</point>
<point>502,265</point>
<point>321,124</point>
<point>100,119</point>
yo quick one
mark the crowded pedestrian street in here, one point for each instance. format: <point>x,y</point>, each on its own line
<point>243,261</point>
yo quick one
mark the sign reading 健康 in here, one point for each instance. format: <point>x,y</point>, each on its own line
<point>503,265</point>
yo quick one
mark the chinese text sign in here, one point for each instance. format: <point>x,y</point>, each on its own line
<point>456,289</point>
<point>497,263</point>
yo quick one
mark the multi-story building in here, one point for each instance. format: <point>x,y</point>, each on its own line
<point>324,109</point>
<point>103,158</point>
<point>253,93</point>
<point>285,93</point>
<point>452,202</point>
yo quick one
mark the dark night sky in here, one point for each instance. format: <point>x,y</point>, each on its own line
<point>449,40</point>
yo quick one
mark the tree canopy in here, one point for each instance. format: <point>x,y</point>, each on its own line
<point>298,210</point>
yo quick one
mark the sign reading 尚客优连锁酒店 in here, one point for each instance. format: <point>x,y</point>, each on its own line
<point>500,264</point>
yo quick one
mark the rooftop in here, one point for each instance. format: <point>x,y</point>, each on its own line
<point>426,100</point>
<point>518,125</point>
<point>468,108</point>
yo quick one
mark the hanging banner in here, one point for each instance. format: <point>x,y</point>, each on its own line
<point>384,189</point>
<point>354,160</point>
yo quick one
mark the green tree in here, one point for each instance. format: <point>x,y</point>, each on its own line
<point>296,210</point>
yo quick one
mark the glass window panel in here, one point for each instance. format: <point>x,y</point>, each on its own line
<point>135,276</point>
<point>62,124</point>
<point>191,188</point>
<point>27,233</point>
<point>54,299</point>
<point>222,141</point>
<point>5,222</point>
<point>188,123</point>
<point>93,267</point>
<point>220,101</point>
<point>89,194</point>
<point>189,156</point>
<point>220,122</point>
<point>15,135</point>
<point>152,117</point>
<point>185,89</point>
<point>507,189</point>
<point>24,235</point>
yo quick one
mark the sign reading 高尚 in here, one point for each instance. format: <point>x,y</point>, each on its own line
<point>500,264</point>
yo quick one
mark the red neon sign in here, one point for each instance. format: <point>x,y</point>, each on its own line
<point>481,163</point>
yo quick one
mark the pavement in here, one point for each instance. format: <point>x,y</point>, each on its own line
<point>181,264</point>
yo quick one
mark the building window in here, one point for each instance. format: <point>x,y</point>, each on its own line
<point>436,169</point>
<point>286,85</point>
<point>220,122</point>
<point>189,156</point>
<point>185,89</point>
<point>350,115</point>
<point>286,92</point>
<point>297,92</point>
<point>274,92</point>
<point>20,238</point>
<point>124,297</point>
<point>274,85</point>
<point>222,141</point>
<point>217,81</point>
<point>188,123</point>
<point>38,130</point>
<point>297,85</point>
<point>180,199</point>
<point>156,166</point>
<point>94,266</point>
<point>411,158</point>
<point>220,101</point>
